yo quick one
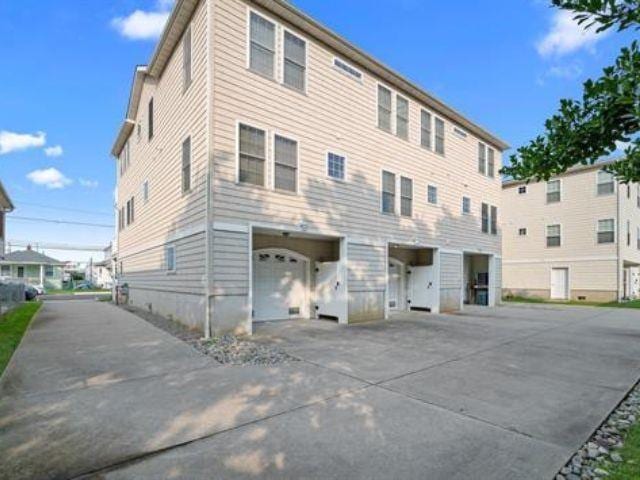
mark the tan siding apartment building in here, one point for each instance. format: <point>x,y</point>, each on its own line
<point>267,169</point>
<point>575,237</point>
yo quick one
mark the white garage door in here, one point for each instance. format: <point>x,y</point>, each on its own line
<point>280,289</point>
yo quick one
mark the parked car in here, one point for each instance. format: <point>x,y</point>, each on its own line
<point>83,286</point>
<point>30,292</point>
<point>39,288</point>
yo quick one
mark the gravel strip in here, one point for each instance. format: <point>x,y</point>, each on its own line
<point>227,349</point>
<point>602,450</point>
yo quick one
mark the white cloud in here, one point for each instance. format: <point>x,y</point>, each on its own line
<point>13,142</point>
<point>55,151</point>
<point>88,183</point>
<point>566,36</point>
<point>144,25</point>
<point>49,177</point>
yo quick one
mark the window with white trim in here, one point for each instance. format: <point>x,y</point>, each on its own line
<point>385,108</point>
<point>402,117</point>
<point>170,258</point>
<point>186,59</point>
<point>336,166</point>
<point>48,271</point>
<point>606,184</point>
<point>554,235</point>
<point>522,189</point>
<point>406,196</point>
<point>522,232</point>
<point>628,233</point>
<point>5,270</point>
<point>484,215</point>
<point>252,155</point>
<point>425,129</point>
<point>150,120</point>
<point>388,192</point>
<point>554,193</point>
<point>262,45</point>
<point>347,69</point>
<point>466,205</point>
<point>482,158</point>
<point>491,162</point>
<point>606,231</point>
<point>432,194</point>
<point>295,61</point>
<point>439,136</point>
<point>145,191</point>
<point>494,220</point>
<point>638,238</point>
<point>285,164</point>
<point>186,165</point>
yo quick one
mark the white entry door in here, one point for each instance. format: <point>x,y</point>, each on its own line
<point>280,289</point>
<point>395,286</point>
<point>423,291</point>
<point>330,290</point>
<point>559,283</point>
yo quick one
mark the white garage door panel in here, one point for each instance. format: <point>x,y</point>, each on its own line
<point>279,286</point>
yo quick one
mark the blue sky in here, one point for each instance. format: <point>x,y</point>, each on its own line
<point>67,68</point>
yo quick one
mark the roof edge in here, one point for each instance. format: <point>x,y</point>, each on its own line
<point>570,171</point>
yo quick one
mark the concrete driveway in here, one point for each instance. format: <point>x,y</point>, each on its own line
<point>498,393</point>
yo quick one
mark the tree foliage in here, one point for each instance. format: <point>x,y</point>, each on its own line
<point>607,116</point>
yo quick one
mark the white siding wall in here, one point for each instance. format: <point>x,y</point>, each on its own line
<point>367,271</point>
<point>450,281</point>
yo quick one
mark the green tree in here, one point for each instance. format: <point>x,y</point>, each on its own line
<point>583,131</point>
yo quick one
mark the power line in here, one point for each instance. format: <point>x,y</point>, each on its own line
<point>57,246</point>
<point>30,204</point>
<point>68,222</point>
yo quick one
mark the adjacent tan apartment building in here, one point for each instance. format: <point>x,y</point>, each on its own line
<point>268,169</point>
<point>575,237</point>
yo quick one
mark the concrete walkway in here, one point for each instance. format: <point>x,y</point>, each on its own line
<point>494,393</point>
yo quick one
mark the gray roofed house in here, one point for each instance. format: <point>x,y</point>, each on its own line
<point>32,267</point>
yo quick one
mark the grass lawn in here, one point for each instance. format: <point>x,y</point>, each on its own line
<point>629,468</point>
<point>12,327</point>
<point>629,304</point>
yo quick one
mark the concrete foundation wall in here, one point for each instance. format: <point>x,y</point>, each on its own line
<point>449,299</point>
<point>187,309</point>
<point>589,295</point>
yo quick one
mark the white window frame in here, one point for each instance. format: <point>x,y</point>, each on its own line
<point>267,160</point>
<point>482,161</point>
<point>395,115</point>
<point>400,197</point>
<point>522,190</point>
<point>615,231</point>
<point>523,232</point>
<point>546,235</point>
<point>145,191</point>
<point>280,57</point>
<point>437,202</point>
<point>275,44</point>
<point>272,176</point>
<point>173,249</point>
<point>431,132</point>
<point>444,135</point>
<point>346,162</point>
<point>185,192</point>
<point>344,72</point>
<point>187,77</point>
<point>395,191</point>
<point>392,122</point>
<point>546,194</point>
<point>598,194</point>
<point>468,211</point>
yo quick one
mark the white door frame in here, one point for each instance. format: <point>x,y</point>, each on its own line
<point>305,312</point>
<point>567,289</point>
<point>402,292</point>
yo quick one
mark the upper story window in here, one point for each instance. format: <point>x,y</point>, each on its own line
<point>432,194</point>
<point>439,141</point>
<point>485,218</point>
<point>491,162</point>
<point>522,232</point>
<point>285,164</point>
<point>388,192</point>
<point>606,184</point>
<point>606,231</point>
<point>125,157</point>
<point>295,61</point>
<point>402,117</point>
<point>186,59</point>
<point>406,196</point>
<point>425,129</point>
<point>145,191</point>
<point>494,220</point>
<point>262,49</point>
<point>482,158</point>
<point>170,258</point>
<point>252,155</point>
<point>336,166</point>
<point>130,211</point>
<point>554,235</point>
<point>346,68</point>
<point>522,189</point>
<point>466,205</point>
<point>553,191</point>
<point>150,119</point>
<point>384,108</point>
<point>186,165</point>
<point>638,238</point>
<point>628,233</point>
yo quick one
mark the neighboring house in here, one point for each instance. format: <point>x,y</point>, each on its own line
<point>576,237</point>
<point>33,268</point>
<point>268,169</point>
<point>99,273</point>
<point>5,207</point>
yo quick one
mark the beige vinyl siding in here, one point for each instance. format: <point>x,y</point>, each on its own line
<point>367,273</point>
<point>168,213</point>
<point>336,114</point>
<point>450,281</point>
<point>230,261</point>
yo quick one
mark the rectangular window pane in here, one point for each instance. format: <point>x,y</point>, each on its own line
<point>388,192</point>
<point>466,205</point>
<point>252,155</point>
<point>553,236</point>
<point>186,59</point>
<point>402,117</point>
<point>150,119</point>
<point>186,165</point>
<point>384,108</point>
<point>432,194</point>
<point>406,196</point>
<point>262,45</point>
<point>439,147</point>
<point>286,164</point>
<point>170,253</point>
<point>132,209</point>
<point>295,62</point>
<point>553,191</point>
<point>606,231</point>
<point>425,129</point>
<point>485,218</point>
<point>491,162</point>
<point>335,166</point>
<point>605,183</point>
<point>348,69</point>
<point>482,158</point>
<point>494,220</point>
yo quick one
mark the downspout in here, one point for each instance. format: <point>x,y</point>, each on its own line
<point>208,216</point>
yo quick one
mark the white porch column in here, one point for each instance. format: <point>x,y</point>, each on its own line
<point>42,275</point>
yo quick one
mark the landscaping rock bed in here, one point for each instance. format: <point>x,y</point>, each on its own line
<point>595,457</point>
<point>227,349</point>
